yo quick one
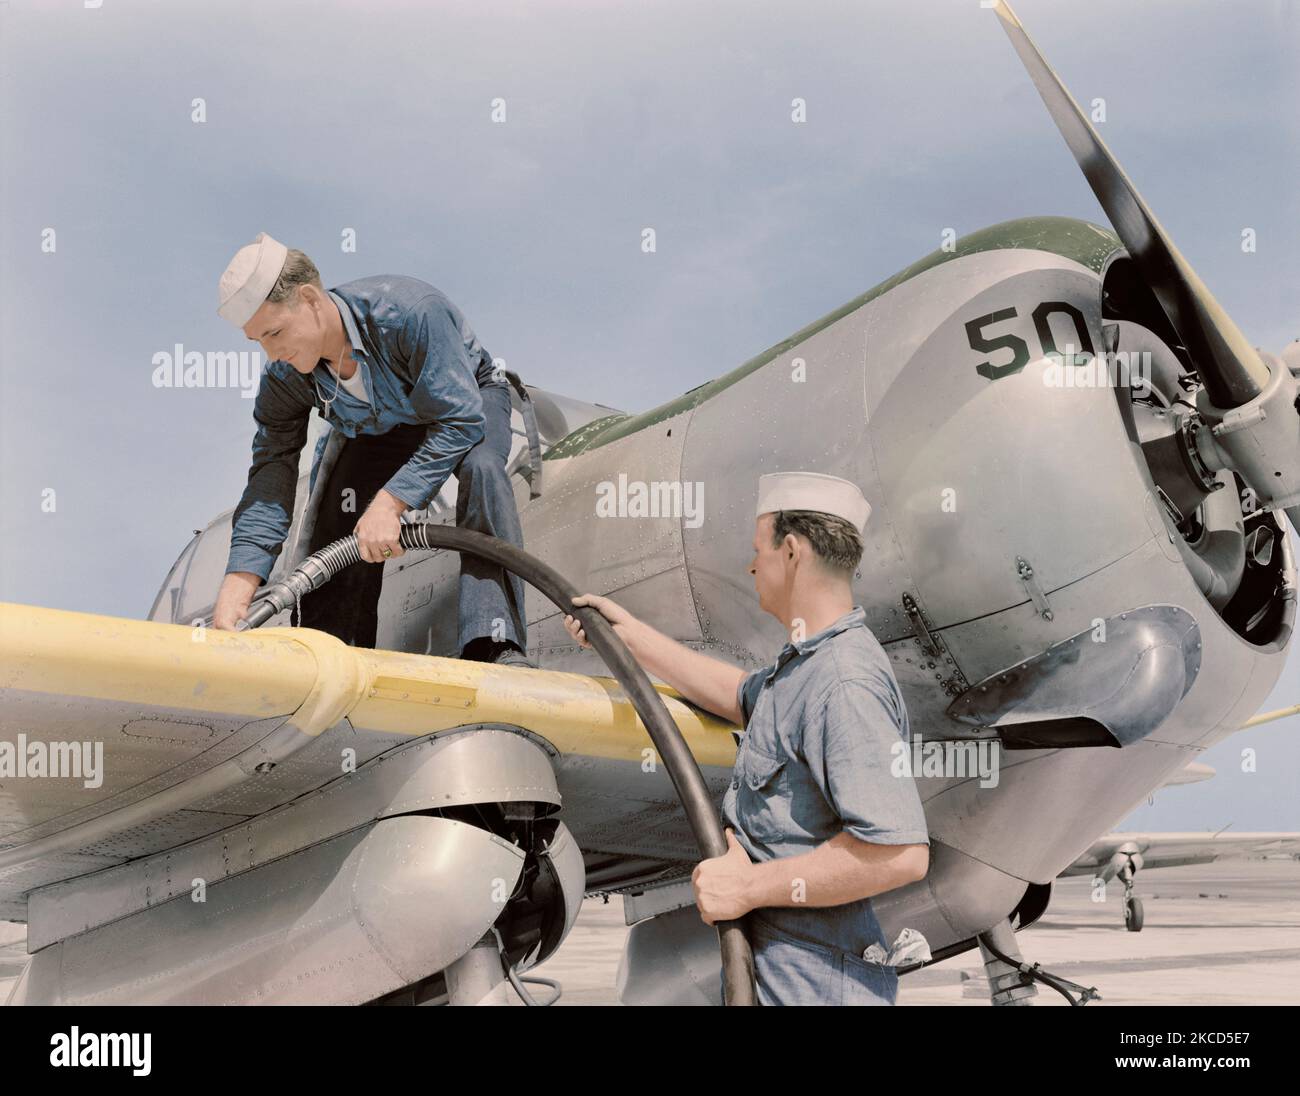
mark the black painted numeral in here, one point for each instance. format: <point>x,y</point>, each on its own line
<point>1018,347</point>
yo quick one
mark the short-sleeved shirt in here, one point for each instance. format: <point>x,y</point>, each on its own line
<point>822,728</point>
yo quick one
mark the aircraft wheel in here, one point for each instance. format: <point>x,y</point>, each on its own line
<point>1133,914</point>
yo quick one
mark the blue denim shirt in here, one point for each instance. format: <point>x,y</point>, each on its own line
<point>420,362</point>
<point>814,762</point>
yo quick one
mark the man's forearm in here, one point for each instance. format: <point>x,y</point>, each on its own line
<point>842,869</point>
<point>422,476</point>
<point>264,513</point>
<point>705,681</point>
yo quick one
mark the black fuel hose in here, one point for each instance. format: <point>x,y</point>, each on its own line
<point>321,566</point>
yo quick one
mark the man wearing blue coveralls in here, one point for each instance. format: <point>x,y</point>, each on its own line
<point>391,364</point>
<point>817,823</point>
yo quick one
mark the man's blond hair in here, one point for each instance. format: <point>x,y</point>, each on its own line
<point>298,270</point>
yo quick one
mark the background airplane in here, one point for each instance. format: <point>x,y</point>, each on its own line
<point>1123,855</point>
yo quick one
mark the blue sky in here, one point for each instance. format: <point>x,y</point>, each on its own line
<point>322,117</point>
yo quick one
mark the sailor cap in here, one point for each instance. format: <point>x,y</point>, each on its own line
<point>248,279</point>
<point>813,491</point>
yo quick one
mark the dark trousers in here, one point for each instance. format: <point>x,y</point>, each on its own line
<point>491,602</point>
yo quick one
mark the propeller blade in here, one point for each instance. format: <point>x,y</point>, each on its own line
<point>1228,365</point>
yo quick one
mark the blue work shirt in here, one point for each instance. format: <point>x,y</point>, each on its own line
<point>814,762</point>
<point>420,362</point>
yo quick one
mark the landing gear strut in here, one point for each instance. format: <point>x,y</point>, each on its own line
<point>1126,872</point>
<point>1011,979</point>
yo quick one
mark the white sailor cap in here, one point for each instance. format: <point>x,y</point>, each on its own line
<point>251,275</point>
<point>813,491</point>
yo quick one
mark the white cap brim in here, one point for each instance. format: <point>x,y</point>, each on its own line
<point>248,279</point>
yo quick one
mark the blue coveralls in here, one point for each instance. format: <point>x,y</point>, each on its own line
<point>429,379</point>
<point>814,762</point>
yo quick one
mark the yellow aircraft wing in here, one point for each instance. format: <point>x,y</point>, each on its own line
<point>112,730</point>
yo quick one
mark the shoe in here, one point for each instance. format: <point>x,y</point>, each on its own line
<point>498,652</point>
<point>508,654</point>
